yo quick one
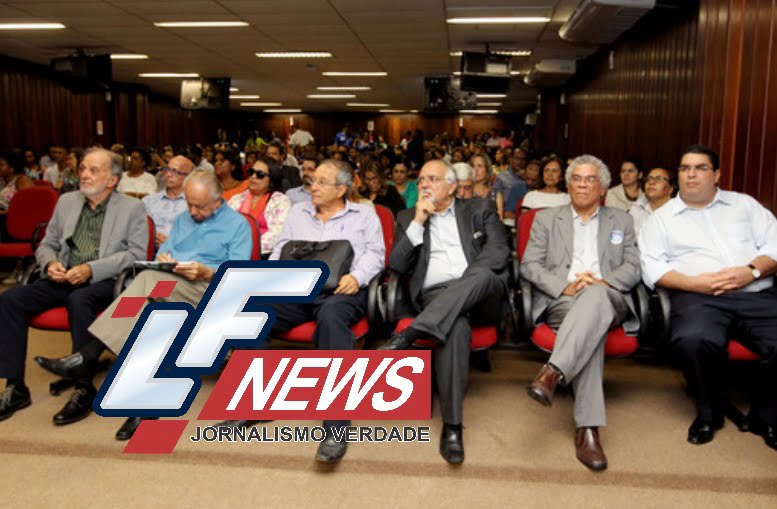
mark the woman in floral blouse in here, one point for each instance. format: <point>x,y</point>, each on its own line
<point>269,207</point>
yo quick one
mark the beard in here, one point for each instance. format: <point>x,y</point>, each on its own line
<point>89,192</point>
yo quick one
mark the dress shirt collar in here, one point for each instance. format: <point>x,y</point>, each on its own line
<point>678,205</point>
<point>311,210</point>
<point>451,210</point>
<point>576,215</point>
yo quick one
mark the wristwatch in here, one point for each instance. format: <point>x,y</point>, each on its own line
<point>754,270</point>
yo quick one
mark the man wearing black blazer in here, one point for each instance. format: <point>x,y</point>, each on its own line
<point>457,253</point>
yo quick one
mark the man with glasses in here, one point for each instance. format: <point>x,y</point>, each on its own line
<point>582,261</point>
<point>457,253</point>
<point>165,206</point>
<point>199,242</point>
<point>331,216</point>
<point>716,251</point>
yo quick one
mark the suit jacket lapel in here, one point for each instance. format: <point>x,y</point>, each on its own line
<point>110,219</point>
<point>72,219</point>
<point>567,226</point>
<point>465,230</point>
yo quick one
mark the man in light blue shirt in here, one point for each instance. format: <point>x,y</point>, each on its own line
<point>199,242</point>
<point>715,251</point>
<point>165,206</point>
<point>302,193</point>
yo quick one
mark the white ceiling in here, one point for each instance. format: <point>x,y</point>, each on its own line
<point>408,39</point>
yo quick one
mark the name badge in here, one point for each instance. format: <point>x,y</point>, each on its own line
<point>616,237</point>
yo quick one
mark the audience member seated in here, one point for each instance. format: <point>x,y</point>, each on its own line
<point>501,161</point>
<point>552,191</point>
<point>465,177</point>
<point>288,176</point>
<point>228,169</point>
<point>13,174</point>
<point>407,188</point>
<point>269,207</point>
<point>378,191</point>
<point>302,193</point>
<point>483,189</point>
<point>137,181</point>
<point>583,261</point>
<point>716,252</point>
<point>57,163</point>
<point>250,159</point>
<point>93,235</point>
<point>532,174</point>
<point>624,195</point>
<point>659,187</point>
<point>454,280</point>
<point>200,241</point>
<point>165,206</point>
<point>508,180</point>
<point>31,167</point>
<point>332,216</point>
<point>200,163</point>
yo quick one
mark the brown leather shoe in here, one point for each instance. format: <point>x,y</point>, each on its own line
<point>544,385</point>
<point>589,450</point>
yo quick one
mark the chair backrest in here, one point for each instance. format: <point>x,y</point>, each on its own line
<point>43,183</point>
<point>387,224</point>
<point>524,229</point>
<point>518,206</point>
<point>28,208</point>
<point>256,244</point>
<point>151,248</point>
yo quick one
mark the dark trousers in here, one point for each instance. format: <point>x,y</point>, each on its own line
<point>334,316</point>
<point>18,305</point>
<point>701,326</point>
<point>446,313</point>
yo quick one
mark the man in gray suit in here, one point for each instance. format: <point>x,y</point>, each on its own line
<point>583,260</point>
<point>457,253</point>
<point>93,235</point>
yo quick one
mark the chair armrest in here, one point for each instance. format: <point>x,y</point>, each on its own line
<point>29,276</point>
<point>376,310</point>
<point>36,235</point>
<point>121,282</point>
<point>393,291</point>
<point>641,302</point>
<point>526,314</point>
<point>665,307</point>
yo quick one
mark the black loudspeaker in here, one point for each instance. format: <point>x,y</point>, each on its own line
<point>205,94</point>
<point>485,72</point>
<point>83,72</point>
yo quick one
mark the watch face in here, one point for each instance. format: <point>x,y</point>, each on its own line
<point>756,273</point>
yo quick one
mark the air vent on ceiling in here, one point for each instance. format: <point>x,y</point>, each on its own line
<point>550,73</point>
<point>603,21</point>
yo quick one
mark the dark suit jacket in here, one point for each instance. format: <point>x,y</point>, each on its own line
<point>482,237</point>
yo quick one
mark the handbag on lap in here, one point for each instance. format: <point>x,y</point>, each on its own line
<point>337,254</point>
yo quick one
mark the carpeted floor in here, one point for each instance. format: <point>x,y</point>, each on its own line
<point>518,454</point>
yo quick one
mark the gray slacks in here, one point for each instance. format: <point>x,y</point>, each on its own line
<point>582,323</point>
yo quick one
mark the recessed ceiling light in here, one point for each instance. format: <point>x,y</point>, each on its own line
<point>342,88</point>
<point>479,111</point>
<point>128,56</point>
<point>489,104</point>
<point>516,73</point>
<point>391,111</point>
<point>201,24</point>
<point>331,96</point>
<point>31,26</point>
<point>513,53</point>
<point>244,96</point>
<point>368,105</point>
<point>233,89</point>
<point>266,105</point>
<point>413,111</point>
<point>294,54</point>
<point>169,75</point>
<point>283,110</point>
<point>490,96</point>
<point>359,73</point>
<point>486,21</point>
<point>457,73</point>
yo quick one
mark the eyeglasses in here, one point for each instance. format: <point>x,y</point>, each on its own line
<point>324,183</point>
<point>579,179</point>
<point>433,179</point>
<point>260,174</point>
<point>657,179</point>
<point>174,171</point>
<point>699,167</point>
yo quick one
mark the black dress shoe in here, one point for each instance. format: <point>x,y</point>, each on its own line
<point>72,366</point>
<point>13,398</point>
<point>399,341</point>
<point>452,444</point>
<point>330,450</point>
<point>130,426</point>
<point>79,407</point>
<point>703,431</point>
<point>760,427</point>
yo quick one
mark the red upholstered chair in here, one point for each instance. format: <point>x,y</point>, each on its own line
<point>304,333</point>
<point>28,213</point>
<point>543,336</point>
<point>43,183</point>
<point>256,244</point>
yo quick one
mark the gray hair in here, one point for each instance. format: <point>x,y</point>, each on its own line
<point>344,175</point>
<point>604,173</point>
<point>207,178</point>
<point>464,171</point>
<point>450,171</point>
<point>116,161</point>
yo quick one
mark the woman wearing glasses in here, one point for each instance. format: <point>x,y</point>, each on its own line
<point>626,194</point>
<point>269,207</point>
<point>659,188</point>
